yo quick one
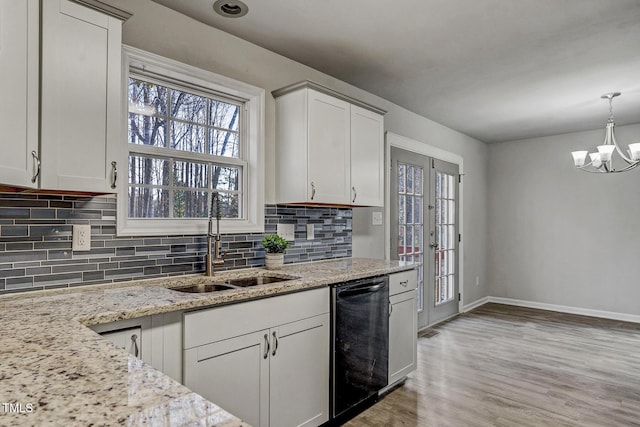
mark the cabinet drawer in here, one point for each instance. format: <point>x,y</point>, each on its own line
<point>218,323</point>
<point>403,282</point>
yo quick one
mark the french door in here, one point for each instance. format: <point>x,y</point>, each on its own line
<point>424,229</point>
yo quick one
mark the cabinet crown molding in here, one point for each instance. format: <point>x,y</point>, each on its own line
<point>328,91</point>
<point>112,11</point>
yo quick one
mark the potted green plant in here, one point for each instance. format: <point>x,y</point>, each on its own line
<point>274,247</point>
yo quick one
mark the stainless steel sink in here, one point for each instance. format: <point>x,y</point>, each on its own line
<point>201,285</point>
<point>201,288</point>
<point>256,280</point>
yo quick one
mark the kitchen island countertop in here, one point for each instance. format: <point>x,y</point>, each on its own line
<point>56,371</point>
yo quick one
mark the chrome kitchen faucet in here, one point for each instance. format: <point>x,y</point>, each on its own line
<point>214,259</point>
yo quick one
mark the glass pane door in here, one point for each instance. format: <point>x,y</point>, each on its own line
<point>410,218</point>
<point>445,226</point>
<point>444,240</point>
<point>409,196</point>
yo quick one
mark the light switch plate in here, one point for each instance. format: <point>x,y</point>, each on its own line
<point>286,231</point>
<point>376,218</point>
<point>310,232</point>
<point>81,238</point>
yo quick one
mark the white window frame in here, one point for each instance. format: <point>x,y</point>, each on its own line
<point>187,76</point>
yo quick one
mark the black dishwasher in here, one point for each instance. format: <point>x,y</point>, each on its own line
<point>360,341</point>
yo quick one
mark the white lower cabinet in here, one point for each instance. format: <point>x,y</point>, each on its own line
<point>153,339</point>
<point>234,374</point>
<point>269,364</point>
<point>134,335</point>
<point>403,324</point>
<point>299,373</point>
<point>129,339</point>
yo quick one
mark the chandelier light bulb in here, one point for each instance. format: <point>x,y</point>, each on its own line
<point>579,157</point>
<point>595,160</point>
<point>634,151</point>
<point>605,152</point>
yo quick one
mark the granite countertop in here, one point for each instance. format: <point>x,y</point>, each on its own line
<point>56,371</point>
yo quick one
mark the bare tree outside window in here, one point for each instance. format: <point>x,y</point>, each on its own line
<point>169,126</point>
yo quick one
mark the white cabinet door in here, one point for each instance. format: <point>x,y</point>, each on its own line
<point>234,374</point>
<point>299,373</point>
<point>81,86</point>
<point>135,336</point>
<point>367,157</point>
<point>129,339</point>
<point>329,157</point>
<point>403,335</point>
<point>19,32</point>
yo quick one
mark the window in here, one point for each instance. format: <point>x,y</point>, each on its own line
<point>189,133</point>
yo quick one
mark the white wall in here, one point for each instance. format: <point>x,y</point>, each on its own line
<point>160,30</point>
<point>562,236</point>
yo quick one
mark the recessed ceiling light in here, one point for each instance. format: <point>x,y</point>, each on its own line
<point>230,8</point>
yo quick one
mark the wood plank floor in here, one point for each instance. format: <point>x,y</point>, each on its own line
<point>510,366</point>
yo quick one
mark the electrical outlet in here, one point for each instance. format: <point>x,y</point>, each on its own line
<point>477,280</point>
<point>376,218</point>
<point>81,238</point>
<point>310,232</point>
<point>286,231</point>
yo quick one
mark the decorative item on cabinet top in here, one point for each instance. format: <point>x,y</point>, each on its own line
<point>332,144</point>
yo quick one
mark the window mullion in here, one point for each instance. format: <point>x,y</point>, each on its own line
<point>167,153</point>
<point>167,126</point>
<point>170,188</point>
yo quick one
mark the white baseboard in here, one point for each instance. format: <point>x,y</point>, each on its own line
<point>560,308</point>
<point>475,304</point>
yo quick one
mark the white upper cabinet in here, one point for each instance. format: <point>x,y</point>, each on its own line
<point>328,145</point>
<point>81,97</point>
<point>329,148</point>
<point>77,50</point>
<point>19,89</point>
<point>367,157</point>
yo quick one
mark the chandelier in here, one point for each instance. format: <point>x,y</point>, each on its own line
<point>602,161</point>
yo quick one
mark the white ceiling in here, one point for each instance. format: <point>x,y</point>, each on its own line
<point>497,70</point>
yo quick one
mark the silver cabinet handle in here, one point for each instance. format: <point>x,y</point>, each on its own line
<point>354,194</point>
<point>114,171</point>
<point>390,308</point>
<point>275,344</point>
<point>36,166</point>
<point>404,283</point>
<point>266,344</point>
<point>313,190</point>
<point>134,341</point>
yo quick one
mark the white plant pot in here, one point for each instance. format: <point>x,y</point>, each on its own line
<point>274,261</point>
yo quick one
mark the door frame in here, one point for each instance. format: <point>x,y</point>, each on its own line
<point>395,140</point>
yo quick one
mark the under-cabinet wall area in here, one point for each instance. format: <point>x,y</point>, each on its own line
<point>36,238</point>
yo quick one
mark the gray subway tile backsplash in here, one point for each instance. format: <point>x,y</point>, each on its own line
<point>36,234</point>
